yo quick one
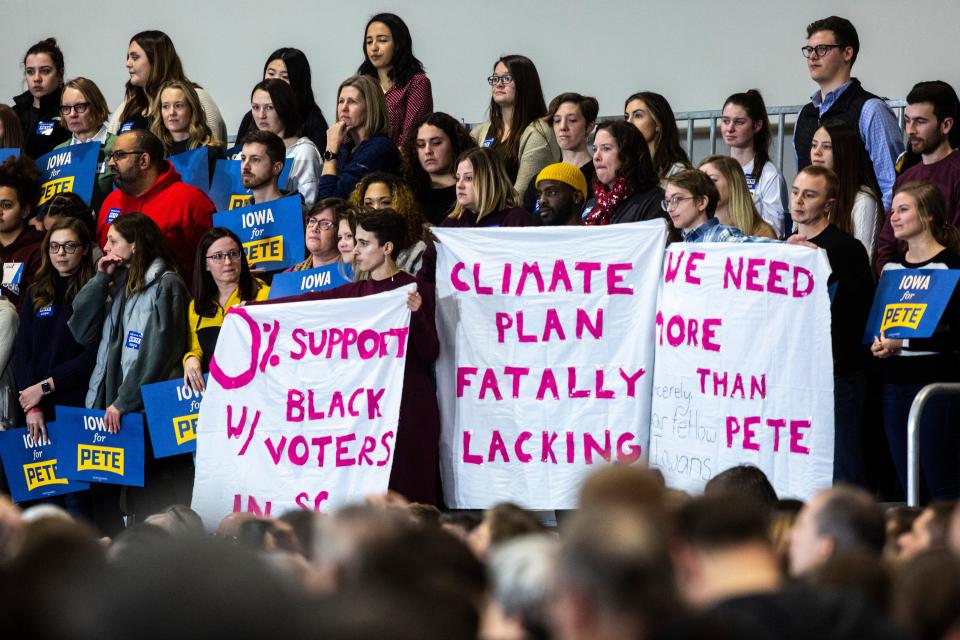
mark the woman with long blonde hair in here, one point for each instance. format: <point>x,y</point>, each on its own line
<point>736,207</point>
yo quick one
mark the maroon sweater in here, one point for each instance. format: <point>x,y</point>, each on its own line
<point>416,455</point>
<point>25,252</point>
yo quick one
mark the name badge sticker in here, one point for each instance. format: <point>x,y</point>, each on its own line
<point>133,340</point>
<point>45,312</point>
<point>45,128</point>
<point>112,214</point>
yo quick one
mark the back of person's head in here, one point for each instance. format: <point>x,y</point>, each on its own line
<point>12,137</point>
<point>276,150</point>
<point>303,522</point>
<point>622,486</point>
<point>633,153</point>
<point>667,149</point>
<point>284,104</point>
<point>743,482</point>
<point>493,188</point>
<point>854,575</point>
<point>404,65</point>
<point>699,185</point>
<point>139,229</point>
<point>932,207</point>
<point>851,517</point>
<point>376,119</point>
<point>298,74</point>
<point>613,564</point>
<point>456,133</point>
<point>521,571</point>
<point>97,104</point>
<point>926,596</point>
<point>177,520</point>
<point>719,522</point>
<point>22,176</point>
<point>136,540</point>
<point>151,145</point>
<point>843,30</point>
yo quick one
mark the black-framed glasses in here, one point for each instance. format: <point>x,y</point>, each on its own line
<point>69,248</point>
<point>120,155</point>
<point>504,79</point>
<point>220,256</point>
<point>326,225</point>
<point>820,49</point>
<point>672,203</point>
<point>80,107</point>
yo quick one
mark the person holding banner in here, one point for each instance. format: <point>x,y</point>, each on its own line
<point>19,241</point>
<point>85,112</point>
<point>388,59</point>
<point>152,60</point>
<point>179,123</point>
<point>384,190</point>
<point>11,136</point>
<point>919,220</point>
<point>429,155</point>
<point>274,109</point>
<point>380,237</point>
<point>51,367</point>
<point>837,145</point>
<point>736,206</point>
<point>485,198</point>
<point>134,310</point>
<point>627,187</point>
<point>221,280</point>
<point>38,108</point>
<point>359,141</point>
<point>291,66</point>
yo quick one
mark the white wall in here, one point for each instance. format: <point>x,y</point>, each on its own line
<point>695,52</point>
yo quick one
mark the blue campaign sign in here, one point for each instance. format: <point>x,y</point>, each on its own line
<point>9,153</point>
<point>271,233</point>
<point>70,169</point>
<point>33,468</point>
<point>909,302</point>
<point>172,409</point>
<point>193,167</point>
<point>293,283</point>
<point>88,452</point>
<point>227,190</point>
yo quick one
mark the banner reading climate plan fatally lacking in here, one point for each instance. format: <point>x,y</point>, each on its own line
<point>546,357</point>
<point>744,371</point>
<point>301,406</point>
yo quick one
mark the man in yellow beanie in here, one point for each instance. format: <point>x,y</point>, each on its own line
<point>562,191</point>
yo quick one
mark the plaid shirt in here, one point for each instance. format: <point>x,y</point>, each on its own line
<point>713,231</point>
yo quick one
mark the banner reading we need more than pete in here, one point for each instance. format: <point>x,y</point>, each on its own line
<point>301,406</point>
<point>546,357</point>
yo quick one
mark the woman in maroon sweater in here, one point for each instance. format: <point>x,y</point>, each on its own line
<point>380,237</point>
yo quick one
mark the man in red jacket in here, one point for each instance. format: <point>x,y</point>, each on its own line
<point>19,241</point>
<point>149,184</point>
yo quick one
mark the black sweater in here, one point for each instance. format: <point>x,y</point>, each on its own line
<point>39,140</point>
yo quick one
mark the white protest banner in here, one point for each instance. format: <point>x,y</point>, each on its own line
<point>546,357</point>
<point>301,406</point>
<point>744,369</point>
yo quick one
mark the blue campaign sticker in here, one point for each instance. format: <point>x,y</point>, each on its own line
<point>171,410</point>
<point>34,469</point>
<point>112,214</point>
<point>69,169</point>
<point>226,187</point>
<point>8,153</point>
<point>44,312</point>
<point>271,233</point>
<point>134,338</point>
<point>126,126</point>
<point>488,142</point>
<point>45,127</point>
<point>88,452</point>
<point>910,302</point>
<point>12,273</point>
<point>293,283</point>
<point>193,167</point>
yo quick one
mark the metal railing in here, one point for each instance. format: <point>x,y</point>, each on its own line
<point>913,434</point>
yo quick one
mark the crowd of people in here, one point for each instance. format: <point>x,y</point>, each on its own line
<point>141,265</point>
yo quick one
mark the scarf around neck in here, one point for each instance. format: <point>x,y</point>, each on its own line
<point>608,200</point>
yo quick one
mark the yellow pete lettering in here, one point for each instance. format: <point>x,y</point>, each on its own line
<point>902,315</point>
<point>239,200</point>
<point>94,458</point>
<point>185,428</point>
<point>265,249</point>
<point>53,187</point>
<point>41,474</point>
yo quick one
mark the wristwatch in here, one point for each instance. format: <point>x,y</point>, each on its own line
<point>46,388</point>
<point>329,155</point>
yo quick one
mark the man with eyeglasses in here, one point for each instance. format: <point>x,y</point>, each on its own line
<point>831,49</point>
<point>19,241</point>
<point>149,184</point>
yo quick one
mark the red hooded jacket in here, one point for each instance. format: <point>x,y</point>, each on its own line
<point>183,213</point>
